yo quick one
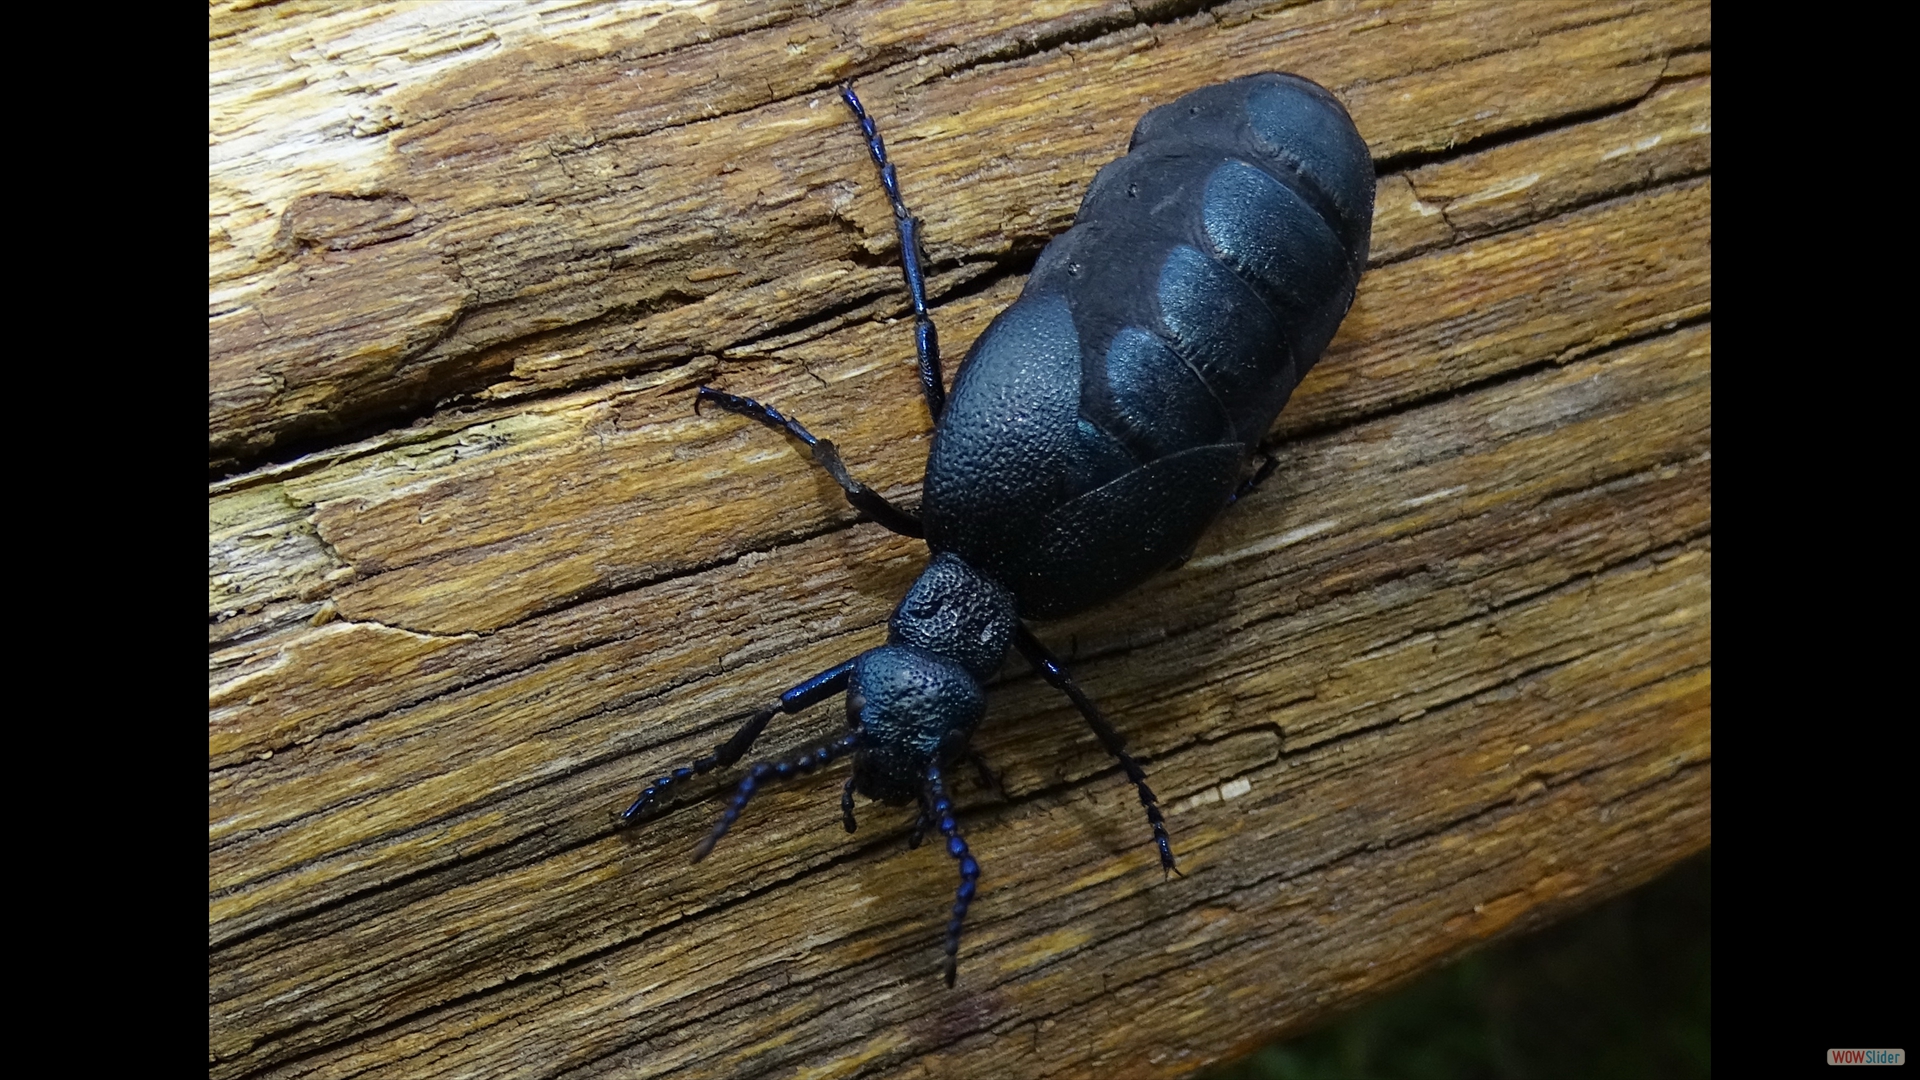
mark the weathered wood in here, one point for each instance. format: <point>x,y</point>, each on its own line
<point>476,571</point>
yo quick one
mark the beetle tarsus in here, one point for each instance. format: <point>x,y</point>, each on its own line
<point>1268,463</point>
<point>726,754</point>
<point>984,773</point>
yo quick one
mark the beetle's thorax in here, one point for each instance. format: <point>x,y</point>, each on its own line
<point>917,699</point>
<point>958,612</point>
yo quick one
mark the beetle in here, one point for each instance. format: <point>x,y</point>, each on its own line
<point>1095,429</point>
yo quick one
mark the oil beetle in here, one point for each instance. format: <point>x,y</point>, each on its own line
<point>1096,428</point>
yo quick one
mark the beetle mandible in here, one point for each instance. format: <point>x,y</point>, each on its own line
<point>1095,429</point>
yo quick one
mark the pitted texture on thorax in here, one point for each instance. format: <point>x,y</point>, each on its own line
<point>956,611</point>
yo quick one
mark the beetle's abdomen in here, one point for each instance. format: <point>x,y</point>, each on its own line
<point>1105,416</point>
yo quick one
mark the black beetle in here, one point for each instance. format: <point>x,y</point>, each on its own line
<point>1096,428</point>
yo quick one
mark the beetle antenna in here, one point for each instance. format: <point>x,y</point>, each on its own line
<point>814,690</point>
<point>969,869</point>
<point>728,753</point>
<point>774,770</point>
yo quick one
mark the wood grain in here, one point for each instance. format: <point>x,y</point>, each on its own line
<point>476,571</point>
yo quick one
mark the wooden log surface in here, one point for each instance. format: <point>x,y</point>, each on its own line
<point>477,571</point>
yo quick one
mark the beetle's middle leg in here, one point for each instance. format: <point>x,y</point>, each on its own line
<point>926,342</point>
<point>825,454</point>
<point>1049,668</point>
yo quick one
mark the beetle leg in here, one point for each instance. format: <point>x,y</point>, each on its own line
<point>822,686</point>
<point>1187,554</point>
<point>926,342</point>
<point>863,498</point>
<point>846,805</point>
<point>1049,668</point>
<point>1267,464</point>
<point>969,869</point>
<point>985,774</point>
<point>920,824</point>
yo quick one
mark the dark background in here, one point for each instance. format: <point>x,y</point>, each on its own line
<point>1622,990</point>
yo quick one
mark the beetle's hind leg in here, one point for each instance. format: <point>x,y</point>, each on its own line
<point>926,342</point>
<point>1050,669</point>
<point>1268,462</point>
<point>825,454</point>
<point>822,686</point>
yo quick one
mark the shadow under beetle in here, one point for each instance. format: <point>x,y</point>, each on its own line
<point>1096,428</point>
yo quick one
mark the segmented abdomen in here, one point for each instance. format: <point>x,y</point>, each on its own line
<point>1207,269</point>
<point>1155,342</point>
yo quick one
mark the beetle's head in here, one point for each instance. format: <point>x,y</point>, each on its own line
<point>913,708</point>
